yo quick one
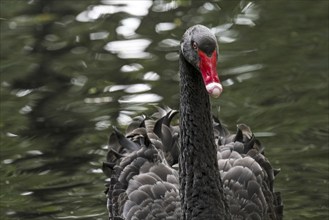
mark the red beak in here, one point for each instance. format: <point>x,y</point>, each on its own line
<point>208,70</point>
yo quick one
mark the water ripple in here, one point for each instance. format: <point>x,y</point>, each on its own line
<point>128,49</point>
<point>141,98</point>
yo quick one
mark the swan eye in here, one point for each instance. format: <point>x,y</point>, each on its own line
<point>195,46</point>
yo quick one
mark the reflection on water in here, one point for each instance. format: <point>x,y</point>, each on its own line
<point>134,8</point>
<point>140,98</point>
<point>71,71</point>
<point>129,49</point>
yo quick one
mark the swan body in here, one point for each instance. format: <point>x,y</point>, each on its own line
<point>194,171</point>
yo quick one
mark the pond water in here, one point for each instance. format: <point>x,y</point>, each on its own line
<point>72,69</point>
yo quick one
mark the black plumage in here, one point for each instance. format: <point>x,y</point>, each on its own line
<point>195,171</point>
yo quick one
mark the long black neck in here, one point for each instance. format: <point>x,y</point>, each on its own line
<point>201,188</point>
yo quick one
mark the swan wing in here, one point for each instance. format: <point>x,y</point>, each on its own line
<point>142,183</point>
<point>247,175</point>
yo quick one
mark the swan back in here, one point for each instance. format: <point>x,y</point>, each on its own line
<point>143,179</point>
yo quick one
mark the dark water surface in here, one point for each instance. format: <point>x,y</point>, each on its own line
<point>72,69</point>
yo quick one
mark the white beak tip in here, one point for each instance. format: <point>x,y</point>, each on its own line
<point>214,89</point>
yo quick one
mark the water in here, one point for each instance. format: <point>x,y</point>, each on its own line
<point>72,69</point>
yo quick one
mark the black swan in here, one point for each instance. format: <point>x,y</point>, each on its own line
<point>195,171</point>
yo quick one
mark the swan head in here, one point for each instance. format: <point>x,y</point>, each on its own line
<point>200,49</point>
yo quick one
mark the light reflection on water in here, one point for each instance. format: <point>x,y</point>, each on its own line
<point>128,27</point>
<point>140,98</point>
<point>63,91</point>
<point>131,67</point>
<point>129,49</point>
<point>135,8</point>
<point>165,26</point>
<point>242,69</point>
<point>151,76</point>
